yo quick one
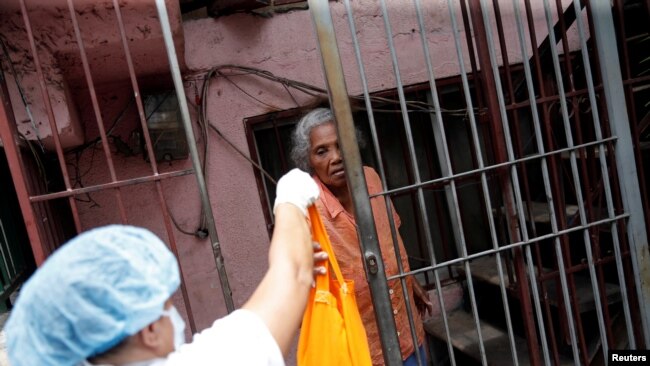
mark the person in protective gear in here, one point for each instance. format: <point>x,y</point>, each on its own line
<point>104,298</point>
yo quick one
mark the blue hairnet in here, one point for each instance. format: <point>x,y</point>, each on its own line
<point>102,286</point>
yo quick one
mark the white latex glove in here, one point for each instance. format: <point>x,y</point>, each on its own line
<point>297,188</point>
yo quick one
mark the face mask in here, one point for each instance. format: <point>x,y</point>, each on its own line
<point>178,324</point>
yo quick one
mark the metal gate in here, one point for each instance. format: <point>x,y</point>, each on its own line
<point>563,274</point>
<point>44,226</point>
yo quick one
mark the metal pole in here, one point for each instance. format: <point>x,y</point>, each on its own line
<point>191,142</point>
<point>605,37</point>
<point>356,180</point>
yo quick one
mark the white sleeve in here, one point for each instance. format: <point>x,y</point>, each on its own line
<point>240,338</point>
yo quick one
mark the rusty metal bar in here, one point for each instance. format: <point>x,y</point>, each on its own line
<point>553,153</point>
<point>98,113</point>
<point>484,185</point>
<point>545,175</point>
<point>191,142</point>
<point>585,158</point>
<point>446,170</point>
<point>50,113</point>
<point>619,124</point>
<point>154,165</point>
<point>636,125</point>
<point>340,103</point>
<point>9,139</point>
<point>116,184</point>
<point>490,86</point>
<point>389,204</point>
<point>576,178</point>
<point>519,151</point>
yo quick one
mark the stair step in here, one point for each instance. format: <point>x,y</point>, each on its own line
<point>464,338</point>
<point>484,269</point>
<point>541,213</point>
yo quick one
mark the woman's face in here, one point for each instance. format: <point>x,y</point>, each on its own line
<point>325,157</point>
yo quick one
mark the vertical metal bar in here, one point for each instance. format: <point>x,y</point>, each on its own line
<point>50,114</point>
<point>152,161</point>
<point>629,97</point>
<point>4,256</point>
<point>605,175</point>
<point>487,60</point>
<point>191,142</point>
<point>617,113</point>
<point>484,185</point>
<point>356,180</point>
<point>95,104</point>
<point>545,175</point>
<point>519,149</point>
<point>9,137</point>
<point>445,164</point>
<point>388,202</point>
<point>584,157</point>
<point>575,174</point>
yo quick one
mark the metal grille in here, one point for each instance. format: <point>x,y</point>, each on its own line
<point>566,249</point>
<point>44,233</point>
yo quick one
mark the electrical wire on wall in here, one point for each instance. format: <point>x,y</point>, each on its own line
<point>23,98</point>
<point>227,72</point>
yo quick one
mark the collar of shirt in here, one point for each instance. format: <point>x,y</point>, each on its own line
<point>330,202</point>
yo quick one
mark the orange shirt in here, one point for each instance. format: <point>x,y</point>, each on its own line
<point>341,228</point>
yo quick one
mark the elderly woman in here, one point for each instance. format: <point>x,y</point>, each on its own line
<point>316,150</point>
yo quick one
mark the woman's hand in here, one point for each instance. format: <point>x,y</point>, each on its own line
<point>422,300</point>
<point>320,256</point>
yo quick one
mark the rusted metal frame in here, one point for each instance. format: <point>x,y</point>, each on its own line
<point>585,176</point>
<point>50,114</point>
<point>581,267</point>
<point>605,66</point>
<point>484,185</point>
<point>496,167</point>
<point>9,137</point>
<point>154,165</point>
<point>587,157</point>
<point>562,247</point>
<point>260,179</point>
<point>519,150</point>
<point>636,80</point>
<point>206,206</point>
<point>631,104</point>
<point>445,166</point>
<point>333,69</point>
<point>505,248</point>
<point>498,128</point>
<point>103,186</point>
<point>98,113</point>
<point>547,99</point>
<point>618,207</point>
<point>476,76</point>
<point>569,302</point>
<point>576,178</point>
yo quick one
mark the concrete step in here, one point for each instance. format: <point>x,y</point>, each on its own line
<point>484,269</point>
<point>464,338</point>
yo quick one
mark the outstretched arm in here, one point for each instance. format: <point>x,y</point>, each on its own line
<point>281,297</point>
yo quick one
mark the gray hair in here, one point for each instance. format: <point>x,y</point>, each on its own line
<point>301,140</point>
